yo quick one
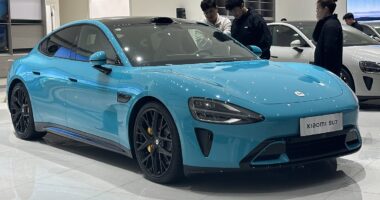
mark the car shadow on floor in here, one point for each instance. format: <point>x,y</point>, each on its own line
<point>373,105</point>
<point>91,152</point>
<point>318,178</point>
<point>308,180</point>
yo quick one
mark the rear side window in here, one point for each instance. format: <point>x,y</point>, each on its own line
<point>62,43</point>
<point>91,40</point>
<point>368,31</point>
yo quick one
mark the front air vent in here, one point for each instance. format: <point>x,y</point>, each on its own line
<point>205,138</point>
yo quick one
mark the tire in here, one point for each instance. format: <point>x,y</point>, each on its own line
<point>22,115</point>
<point>347,78</point>
<point>157,144</point>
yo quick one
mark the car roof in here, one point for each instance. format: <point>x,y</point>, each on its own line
<point>116,21</point>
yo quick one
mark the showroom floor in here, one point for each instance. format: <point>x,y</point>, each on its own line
<point>58,168</point>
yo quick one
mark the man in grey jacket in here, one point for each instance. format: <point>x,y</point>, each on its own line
<point>213,18</point>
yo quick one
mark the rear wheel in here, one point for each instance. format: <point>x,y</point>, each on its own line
<point>22,114</point>
<point>347,78</point>
<point>157,145</point>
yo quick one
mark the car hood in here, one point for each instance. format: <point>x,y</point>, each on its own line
<point>364,53</point>
<point>264,81</point>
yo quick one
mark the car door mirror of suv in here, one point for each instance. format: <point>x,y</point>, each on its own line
<point>376,38</point>
<point>98,59</point>
<point>256,50</point>
<point>296,45</point>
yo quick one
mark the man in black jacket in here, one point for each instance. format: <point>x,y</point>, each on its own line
<point>329,37</point>
<point>249,28</point>
<point>350,20</point>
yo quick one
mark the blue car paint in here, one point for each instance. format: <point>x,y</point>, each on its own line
<point>262,86</point>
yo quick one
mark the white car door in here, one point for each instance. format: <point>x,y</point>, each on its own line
<point>289,46</point>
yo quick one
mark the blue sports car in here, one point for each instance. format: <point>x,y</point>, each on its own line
<point>180,97</point>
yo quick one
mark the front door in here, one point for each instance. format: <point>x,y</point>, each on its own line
<point>91,100</point>
<point>281,49</point>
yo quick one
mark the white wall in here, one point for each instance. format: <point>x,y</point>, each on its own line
<point>26,9</point>
<point>303,9</point>
<point>193,9</point>
<point>71,10</point>
<point>166,8</point>
<point>109,8</point>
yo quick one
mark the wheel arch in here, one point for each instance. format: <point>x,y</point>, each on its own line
<point>349,73</point>
<point>132,117</point>
<point>10,88</point>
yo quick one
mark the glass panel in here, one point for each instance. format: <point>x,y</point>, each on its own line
<point>167,44</point>
<point>284,35</point>
<point>91,40</point>
<point>61,44</point>
<point>4,38</point>
<point>4,15</point>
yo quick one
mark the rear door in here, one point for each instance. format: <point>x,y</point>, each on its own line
<point>51,78</point>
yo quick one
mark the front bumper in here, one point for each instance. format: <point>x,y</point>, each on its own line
<point>298,150</point>
<point>289,151</point>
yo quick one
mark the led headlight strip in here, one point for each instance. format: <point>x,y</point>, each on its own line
<point>215,111</point>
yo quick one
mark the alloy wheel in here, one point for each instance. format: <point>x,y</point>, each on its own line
<point>153,142</point>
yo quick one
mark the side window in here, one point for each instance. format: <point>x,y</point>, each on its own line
<point>91,40</point>
<point>61,44</point>
<point>368,31</point>
<point>283,36</point>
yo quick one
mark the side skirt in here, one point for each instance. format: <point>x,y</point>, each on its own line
<point>83,137</point>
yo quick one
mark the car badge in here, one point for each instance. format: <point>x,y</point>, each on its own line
<point>300,94</point>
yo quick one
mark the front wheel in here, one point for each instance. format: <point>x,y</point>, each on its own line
<point>157,144</point>
<point>22,114</point>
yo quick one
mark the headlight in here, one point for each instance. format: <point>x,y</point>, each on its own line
<point>215,111</point>
<point>369,67</point>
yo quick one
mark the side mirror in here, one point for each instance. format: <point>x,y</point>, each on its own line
<point>98,59</point>
<point>295,43</point>
<point>221,36</point>
<point>256,50</point>
<point>376,38</point>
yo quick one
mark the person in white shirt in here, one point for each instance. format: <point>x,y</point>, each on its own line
<point>213,18</point>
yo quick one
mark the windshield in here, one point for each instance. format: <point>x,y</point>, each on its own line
<point>351,36</point>
<point>169,44</point>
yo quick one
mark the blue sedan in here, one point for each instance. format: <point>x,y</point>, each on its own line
<point>180,97</point>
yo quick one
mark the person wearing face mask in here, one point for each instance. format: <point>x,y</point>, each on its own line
<point>328,35</point>
<point>213,18</point>
<point>249,28</point>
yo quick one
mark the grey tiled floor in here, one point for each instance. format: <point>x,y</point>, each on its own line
<point>57,168</point>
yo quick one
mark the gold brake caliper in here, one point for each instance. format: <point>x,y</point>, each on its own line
<point>150,147</point>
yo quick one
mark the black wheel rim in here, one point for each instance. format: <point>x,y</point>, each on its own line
<point>153,142</point>
<point>20,110</point>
